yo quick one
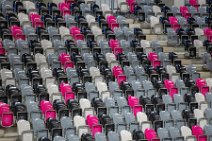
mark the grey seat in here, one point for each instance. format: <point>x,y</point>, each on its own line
<point>72,137</point>
<point>156,46</point>
<point>208,113</point>
<point>100,137</point>
<point>113,136</point>
<point>59,138</point>
<point>72,75</point>
<point>141,74</point>
<point>66,122</point>
<point>125,44</point>
<point>39,128</point>
<point>208,130</point>
<point>119,33</point>
<point>132,57</point>
<point>162,133</point>
<point>53,61</point>
<point>22,47</point>
<point>174,132</point>
<point>89,60</point>
<point>173,38</point>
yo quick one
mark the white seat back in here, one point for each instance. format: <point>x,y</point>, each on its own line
<point>125,135</point>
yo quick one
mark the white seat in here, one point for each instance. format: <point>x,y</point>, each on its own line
<point>46,73</point>
<point>29,6</point>
<point>94,72</point>
<point>185,131</point>
<point>85,104</point>
<point>23,18</point>
<point>170,69</point>
<point>199,31</point>
<point>198,114</point>
<point>40,59</point>
<point>209,82</point>
<point>125,135</point>
<point>145,43</point>
<point>198,44</point>
<point>110,57</point>
<point>89,18</point>
<point>46,44</point>
<point>5,74</point>
<point>201,2</point>
<point>105,8</point>
<point>23,128</point>
<point>52,89</point>
<point>103,90</point>
<point>156,9</point>
<point>199,97</point>
<point>79,121</point>
<point>96,30</point>
<point>141,117</point>
<point>64,31</point>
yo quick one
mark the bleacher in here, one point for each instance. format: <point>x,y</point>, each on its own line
<point>105,70</point>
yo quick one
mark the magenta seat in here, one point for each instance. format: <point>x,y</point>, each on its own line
<point>93,122</point>
<point>64,88</point>
<point>114,44</point>
<point>198,132</point>
<point>6,116</point>
<point>121,78</point>
<point>169,84</point>
<point>117,70</point>
<point>184,11</point>
<point>200,83</point>
<point>136,109</point>
<point>172,92</point>
<point>47,109</point>
<point>69,95</point>
<point>133,101</point>
<point>64,8</point>
<point>64,57</point>
<point>131,4</point>
<point>150,134</point>
<point>173,21</point>
<point>194,3</point>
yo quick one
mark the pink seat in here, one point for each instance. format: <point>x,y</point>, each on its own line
<point>194,3</point>
<point>64,8</point>
<point>68,64</point>
<point>47,109</point>
<point>69,95</point>
<point>34,17</point>
<point>117,70</point>
<point>114,44</point>
<point>96,129</point>
<point>184,11</point>
<point>200,83</point>
<point>204,90</point>
<point>150,134</point>
<point>208,33</point>
<point>131,4</point>
<point>133,101</point>
<point>117,50</point>
<point>121,78</point>
<point>2,50</point>
<point>6,116</point>
<point>111,19</point>
<point>74,30</point>
<point>152,56</point>
<point>169,84</point>
<point>64,57</point>
<point>45,106</point>
<point>64,88</point>
<point>92,120</point>
<point>136,109</point>
<point>50,114</point>
<point>156,63</point>
<point>173,21</point>
<point>198,132</point>
<point>172,92</point>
